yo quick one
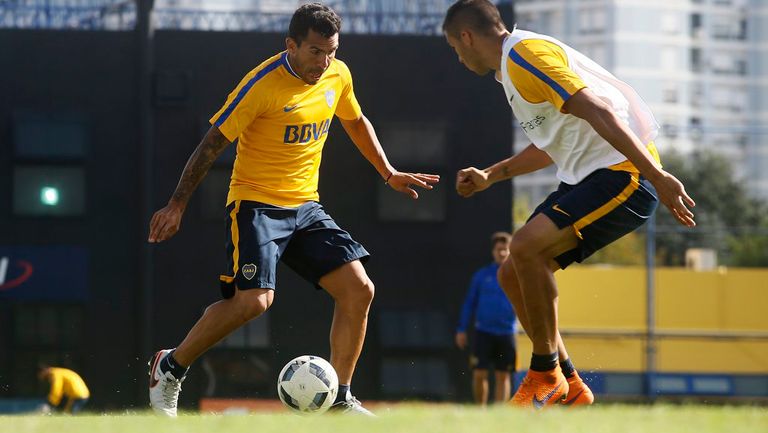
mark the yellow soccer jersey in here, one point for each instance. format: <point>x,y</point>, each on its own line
<point>539,69</point>
<point>280,124</point>
<point>65,382</point>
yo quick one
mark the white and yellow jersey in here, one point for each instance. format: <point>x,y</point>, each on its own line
<point>539,75</point>
<point>280,124</point>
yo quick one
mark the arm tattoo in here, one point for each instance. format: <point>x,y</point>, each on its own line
<point>198,164</point>
<point>506,171</point>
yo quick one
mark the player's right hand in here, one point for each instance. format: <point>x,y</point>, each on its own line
<point>165,223</point>
<point>471,180</point>
<point>461,340</point>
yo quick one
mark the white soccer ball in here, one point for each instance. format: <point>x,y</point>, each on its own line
<point>308,384</point>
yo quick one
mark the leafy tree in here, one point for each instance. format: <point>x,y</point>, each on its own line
<point>728,219</point>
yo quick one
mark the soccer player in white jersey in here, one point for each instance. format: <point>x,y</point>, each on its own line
<point>599,133</point>
<point>280,115</point>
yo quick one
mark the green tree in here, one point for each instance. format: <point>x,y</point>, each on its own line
<point>728,219</point>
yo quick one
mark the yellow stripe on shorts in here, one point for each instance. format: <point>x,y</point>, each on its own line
<point>634,184</point>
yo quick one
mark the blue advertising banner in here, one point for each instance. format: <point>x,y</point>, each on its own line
<point>48,273</point>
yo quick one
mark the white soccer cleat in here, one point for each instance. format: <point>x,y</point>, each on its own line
<point>350,406</point>
<point>164,388</point>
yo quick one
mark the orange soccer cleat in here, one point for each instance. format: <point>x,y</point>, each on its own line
<point>541,388</point>
<point>579,393</point>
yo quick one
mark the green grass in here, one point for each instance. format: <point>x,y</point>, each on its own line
<point>421,419</point>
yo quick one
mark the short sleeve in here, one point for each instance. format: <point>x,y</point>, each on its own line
<point>248,101</point>
<point>540,72</point>
<point>348,108</point>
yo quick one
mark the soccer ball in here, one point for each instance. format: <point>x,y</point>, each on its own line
<point>308,384</point>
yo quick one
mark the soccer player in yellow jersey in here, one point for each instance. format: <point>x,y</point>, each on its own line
<point>280,114</point>
<point>599,134</point>
<point>68,392</point>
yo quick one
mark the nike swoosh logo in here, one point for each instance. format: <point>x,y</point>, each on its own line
<point>570,401</point>
<point>289,108</point>
<point>152,380</point>
<point>557,208</point>
<point>538,404</point>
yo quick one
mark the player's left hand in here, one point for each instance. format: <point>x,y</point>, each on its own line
<point>403,182</point>
<point>672,194</point>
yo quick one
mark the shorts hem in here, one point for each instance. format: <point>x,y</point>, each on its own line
<point>258,285</point>
<point>363,256</point>
<point>561,220</point>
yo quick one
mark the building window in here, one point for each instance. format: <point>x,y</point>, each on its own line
<point>696,60</point>
<point>670,23</point>
<point>669,58</point>
<point>669,93</point>
<point>696,26</point>
<point>42,190</point>
<point>670,130</point>
<point>48,176</point>
<point>695,129</point>
<point>728,63</point>
<point>49,135</point>
<point>592,20</point>
<point>697,94</point>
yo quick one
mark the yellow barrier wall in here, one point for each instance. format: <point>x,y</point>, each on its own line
<point>614,298</point>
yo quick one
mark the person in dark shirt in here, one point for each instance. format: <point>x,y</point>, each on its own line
<point>494,342</point>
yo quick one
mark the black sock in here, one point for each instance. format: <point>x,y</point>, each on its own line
<point>169,364</point>
<point>568,369</point>
<point>543,362</point>
<point>342,395</point>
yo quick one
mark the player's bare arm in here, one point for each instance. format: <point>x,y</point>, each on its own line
<point>471,180</point>
<point>364,136</point>
<point>586,105</point>
<point>166,221</point>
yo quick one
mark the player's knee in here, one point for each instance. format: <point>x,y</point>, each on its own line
<point>359,296</point>
<point>519,250</point>
<point>480,374</point>
<point>365,293</point>
<point>254,305</point>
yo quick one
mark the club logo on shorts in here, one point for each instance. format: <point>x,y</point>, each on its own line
<point>330,96</point>
<point>249,271</point>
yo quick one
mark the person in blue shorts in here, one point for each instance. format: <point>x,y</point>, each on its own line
<point>493,346</point>
<point>280,115</point>
<point>599,133</point>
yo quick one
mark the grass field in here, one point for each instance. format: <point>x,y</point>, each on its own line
<point>421,419</point>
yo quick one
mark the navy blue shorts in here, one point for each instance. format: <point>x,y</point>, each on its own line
<point>603,207</point>
<point>305,238</point>
<point>494,352</point>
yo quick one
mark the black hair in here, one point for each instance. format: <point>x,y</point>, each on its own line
<point>480,16</point>
<point>499,237</point>
<point>315,16</point>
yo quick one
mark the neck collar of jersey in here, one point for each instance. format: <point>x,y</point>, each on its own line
<point>288,65</point>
